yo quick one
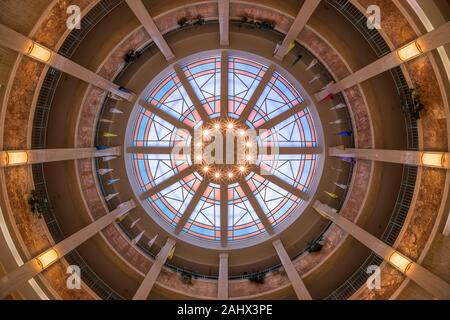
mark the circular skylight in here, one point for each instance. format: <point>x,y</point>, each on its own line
<point>239,186</point>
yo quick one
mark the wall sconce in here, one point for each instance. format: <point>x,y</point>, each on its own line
<point>400,262</point>
<point>47,258</point>
<point>39,52</point>
<point>433,159</point>
<point>15,158</point>
<point>410,51</point>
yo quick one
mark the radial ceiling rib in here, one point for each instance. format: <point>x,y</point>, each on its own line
<point>256,206</point>
<point>281,183</point>
<point>191,93</point>
<point>224,84</point>
<point>285,115</point>
<point>305,13</point>
<point>224,214</point>
<point>141,13</point>
<point>150,150</point>
<point>290,150</point>
<point>166,117</point>
<point>258,92</point>
<point>167,183</point>
<point>192,205</point>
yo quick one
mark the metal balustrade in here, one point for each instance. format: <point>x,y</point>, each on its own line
<point>94,16</point>
<point>403,203</point>
<point>38,141</point>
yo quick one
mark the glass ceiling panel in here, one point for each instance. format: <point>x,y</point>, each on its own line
<point>244,75</point>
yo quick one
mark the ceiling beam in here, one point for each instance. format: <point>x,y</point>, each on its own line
<point>289,150</point>
<point>258,92</point>
<point>12,158</point>
<point>166,117</point>
<point>167,183</point>
<point>16,278</point>
<point>434,285</point>
<point>284,116</point>
<point>191,93</point>
<point>21,44</point>
<point>297,26</point>
<point>256,206</point>
<point>430,41</point>
<point>191,206</point>
<point>149,281</point>
<point>296,281</point>
<point>142,14</point>
<point>224,22</point>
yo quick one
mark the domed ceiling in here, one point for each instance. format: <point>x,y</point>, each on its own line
<point>224,149</point>
<point>156,142</point>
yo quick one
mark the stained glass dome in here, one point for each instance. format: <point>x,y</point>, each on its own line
<point>217,201</point>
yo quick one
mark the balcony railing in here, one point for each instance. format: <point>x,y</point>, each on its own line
<point>403,203</point>
<point>38,141</point>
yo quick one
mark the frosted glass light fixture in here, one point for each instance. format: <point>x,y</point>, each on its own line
<point>400,262</point>
<point>433,159</point>
<point>15,158</point>
<point>39,52</point>
<point>410,51</point>
<point>47,258</point>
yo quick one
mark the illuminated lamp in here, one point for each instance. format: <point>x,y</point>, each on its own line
<point>47,258</point>
<point>14,158</point>
<point>39,52</point>
<point>433,159</point>
<point>410,51</point>
<point>400,262</point>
